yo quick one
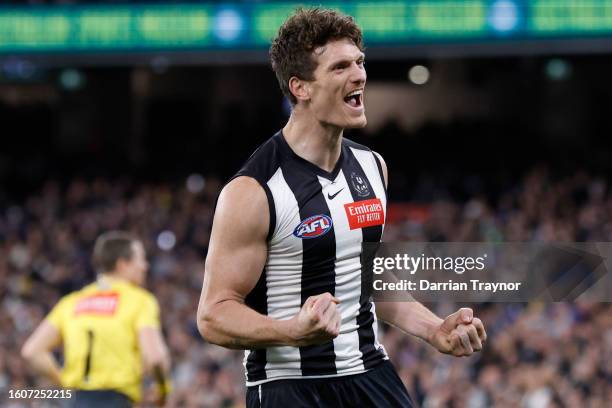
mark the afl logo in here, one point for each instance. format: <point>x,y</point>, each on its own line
<point>313,227</point>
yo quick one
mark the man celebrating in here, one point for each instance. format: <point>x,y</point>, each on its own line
<point>284,273</point>
<point>109,329</point>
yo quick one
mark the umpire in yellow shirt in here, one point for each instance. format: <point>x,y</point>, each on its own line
<point>110,331</point>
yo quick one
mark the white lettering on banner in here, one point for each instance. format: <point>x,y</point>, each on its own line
<point>366,213</point>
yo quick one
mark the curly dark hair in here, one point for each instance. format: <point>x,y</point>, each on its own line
<point>307,29</point>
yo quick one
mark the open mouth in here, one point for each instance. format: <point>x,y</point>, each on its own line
<point>354,99</point>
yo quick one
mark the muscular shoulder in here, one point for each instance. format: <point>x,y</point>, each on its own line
<point>243,208</point>
<point>244,193</point>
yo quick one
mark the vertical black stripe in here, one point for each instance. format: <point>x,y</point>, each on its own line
<point>318,261</point>
<point>365,318</point>
<point>257,299</point>
<point>90,338</point>
<point>271,209</point>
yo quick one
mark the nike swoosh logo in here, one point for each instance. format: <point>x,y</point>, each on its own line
<point>332,196</point>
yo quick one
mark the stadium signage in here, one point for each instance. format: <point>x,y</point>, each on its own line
<point>187,26</point>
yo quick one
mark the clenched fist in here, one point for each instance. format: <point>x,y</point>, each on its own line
<point>461,334</point>
<point>317,322</point>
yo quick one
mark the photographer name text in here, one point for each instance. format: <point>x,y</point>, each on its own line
<point>449,286</point>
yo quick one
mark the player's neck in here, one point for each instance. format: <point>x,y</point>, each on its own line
<point>313,141</point>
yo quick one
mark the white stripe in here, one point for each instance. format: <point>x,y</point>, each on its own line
<point>348,274</point>
<point>259,395</point>
<point>284,272</point>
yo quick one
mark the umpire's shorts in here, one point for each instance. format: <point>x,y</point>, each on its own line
<point>379,387</point>
<point>100,399</point>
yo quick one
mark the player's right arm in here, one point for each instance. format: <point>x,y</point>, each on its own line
<point>237,254</point>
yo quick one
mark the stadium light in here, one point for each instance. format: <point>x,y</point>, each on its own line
<point>504,16</point>
<point>418,75</point>
<point>166,240</point>
<point>558,69</point>
<point>195,183</point>
<point>71,79</point>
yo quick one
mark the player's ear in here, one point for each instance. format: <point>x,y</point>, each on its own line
<point>299,88</point>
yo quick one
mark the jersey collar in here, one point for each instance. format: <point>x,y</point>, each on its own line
<point>288,152</point>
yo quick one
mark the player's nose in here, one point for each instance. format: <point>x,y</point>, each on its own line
<point>358,74</point>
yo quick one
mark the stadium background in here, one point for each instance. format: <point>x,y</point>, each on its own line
<point>494,118</point>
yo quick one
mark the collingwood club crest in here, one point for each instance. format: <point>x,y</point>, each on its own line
<point>360,185</point>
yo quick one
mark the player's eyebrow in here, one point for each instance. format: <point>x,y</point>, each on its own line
<point>345,61</point>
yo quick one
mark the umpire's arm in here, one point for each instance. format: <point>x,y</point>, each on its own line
<point>153,350</point>
<point>156,359</point>
<point>37,351</point>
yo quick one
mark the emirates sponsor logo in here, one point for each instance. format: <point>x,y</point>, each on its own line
<point>367,213</point>
<point>98,304</point>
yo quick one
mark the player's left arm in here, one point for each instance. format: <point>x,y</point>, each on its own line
<point>37,351</point>
<point>459,334</point>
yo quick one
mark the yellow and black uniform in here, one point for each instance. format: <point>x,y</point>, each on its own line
<point>99,325</point>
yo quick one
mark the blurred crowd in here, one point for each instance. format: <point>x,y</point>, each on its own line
<point>537,355</point>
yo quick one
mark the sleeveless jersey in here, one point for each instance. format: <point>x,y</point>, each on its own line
<point>318,221</point>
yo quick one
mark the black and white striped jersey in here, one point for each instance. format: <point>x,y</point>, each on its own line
<point>318,221</point>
